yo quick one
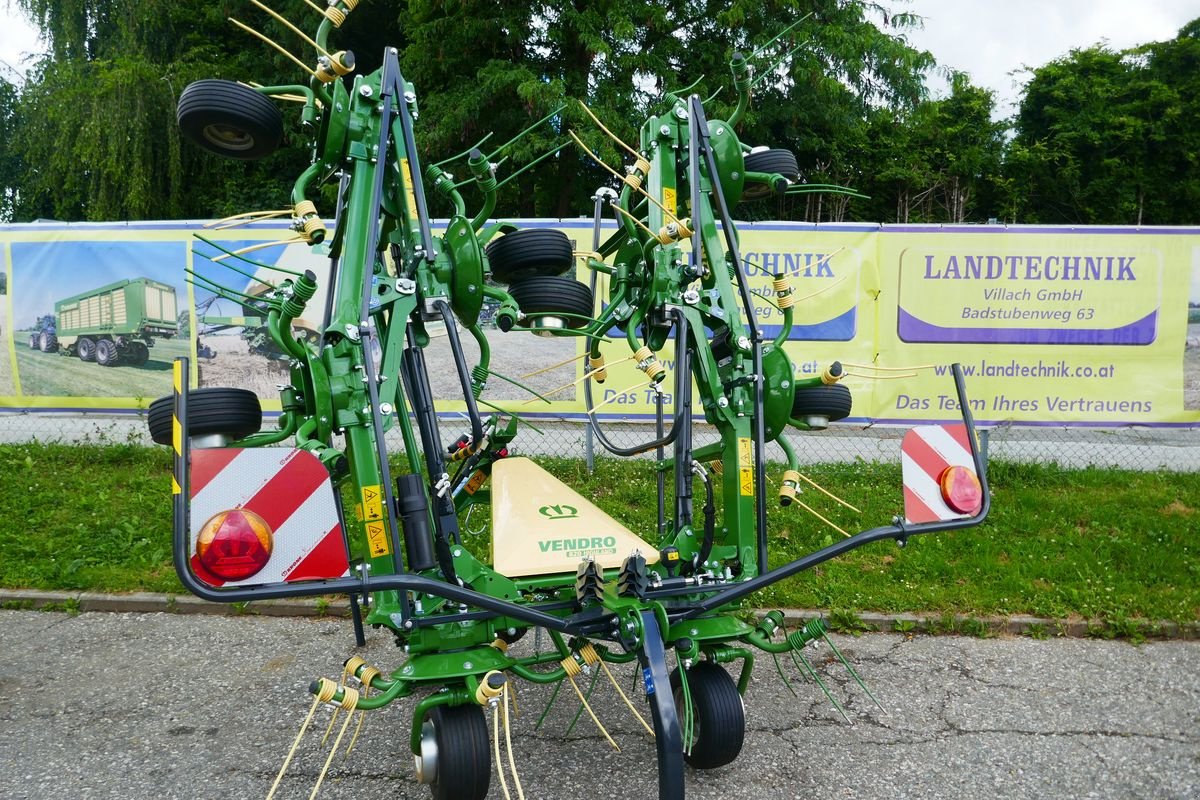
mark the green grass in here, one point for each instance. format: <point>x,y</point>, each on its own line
<point>56,375</point>
<point>1098,544</point>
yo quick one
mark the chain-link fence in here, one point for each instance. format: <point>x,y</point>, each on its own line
<point>1136,448</point>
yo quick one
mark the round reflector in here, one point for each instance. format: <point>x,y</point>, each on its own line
<point>961,490</point>
<point>234,544</point>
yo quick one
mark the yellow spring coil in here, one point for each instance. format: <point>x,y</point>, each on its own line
<point>783,291</point>
<point>570,666</point>
<point>350,4</point>
<point>828,378</point>
<point>335,15</point>
<point>332,68</point>
<point>787,490</point>
<point>634,178</point>
<point>649,364</point>
<point>716,467</point>
<point>303,209</point>
<point>368,674</point>
<point>674,231</point>
<point>598,372</point>
<point>486,692</point>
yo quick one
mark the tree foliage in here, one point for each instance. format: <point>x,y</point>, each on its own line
<point>1101,136</point>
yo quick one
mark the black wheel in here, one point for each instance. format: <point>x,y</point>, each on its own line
<point>216,410</point>
<point>718,716</point>
<point>547,297</point>
<point>821,403</point>
<point>33,341</point>
<point>782,162</point>
<point>455,759</point>
<point>85,348</point>
<point>47,342</point>
<point>229,119</point>
<point>106,353</point>
<point>528,253</point>
<point>139,353</point>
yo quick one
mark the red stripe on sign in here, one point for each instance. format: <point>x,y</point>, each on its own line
<point>924,456</point>
<point>287,490</point>
<point>916,510</point>
<point>959,432</point>
<point>327,559</point>
<point>207,464</point>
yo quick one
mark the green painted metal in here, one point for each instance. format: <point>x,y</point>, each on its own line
<point>675,279</point>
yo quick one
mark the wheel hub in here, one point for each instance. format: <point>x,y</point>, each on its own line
<point>228,136</point>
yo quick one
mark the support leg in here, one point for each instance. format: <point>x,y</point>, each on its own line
<point>667,734</point>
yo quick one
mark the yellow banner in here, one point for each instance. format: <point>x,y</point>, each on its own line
<point>1085,326</point>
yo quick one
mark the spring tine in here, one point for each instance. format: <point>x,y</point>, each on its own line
<point>850,669</point>
<point>824,688</point>
<point>546,710</point>
<point>782,676</point>
<point>588,696</point>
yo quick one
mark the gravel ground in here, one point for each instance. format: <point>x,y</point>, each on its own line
<point>162,706</point>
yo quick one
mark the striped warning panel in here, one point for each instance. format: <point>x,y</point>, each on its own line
<point>926,453</point>
<point>290,490</point>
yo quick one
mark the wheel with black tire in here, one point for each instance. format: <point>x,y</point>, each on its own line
<point>229,119</point>
<point>718,715</point>
<point>531,252</point>
<point>455,759</point>
<point>85,348</point>
<point>820,405</point>
<point>772,162</point>
<point>234,413</point>
<point>552,302</point>
<point>47,342</point>
<point>33,341</point>
<point>106,353</point>
<point>139,353</point>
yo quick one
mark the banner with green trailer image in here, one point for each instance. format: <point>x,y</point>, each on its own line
<point>92,315</point>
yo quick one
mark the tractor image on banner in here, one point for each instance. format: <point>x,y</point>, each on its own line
<point>667,301</point>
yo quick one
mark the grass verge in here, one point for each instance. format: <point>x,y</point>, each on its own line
<point>1097,544</point>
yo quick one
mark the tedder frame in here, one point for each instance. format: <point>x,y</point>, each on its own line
<point>674,276</point>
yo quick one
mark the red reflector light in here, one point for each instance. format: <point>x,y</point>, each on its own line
<point>234,544</point>
<point>961,490</point>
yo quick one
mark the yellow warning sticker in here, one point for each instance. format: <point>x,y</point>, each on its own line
<point>746,479</point>
<point>745,453</point>
<point>669,199</point>
<point>477,479</point>
<point>408,188</point>
<point>372,502</point>
<point>377,539</point>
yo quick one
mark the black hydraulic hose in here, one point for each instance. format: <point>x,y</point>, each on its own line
<point>464,377</point>
<point>700,131</point>
<point>445,520</point>
<point>676,423</point>
<point>710,516</point>
<point>683,405</point>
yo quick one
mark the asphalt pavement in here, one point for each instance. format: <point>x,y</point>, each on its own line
<point>104,705</point>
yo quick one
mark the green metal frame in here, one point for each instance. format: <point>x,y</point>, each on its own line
<point>367,373</point>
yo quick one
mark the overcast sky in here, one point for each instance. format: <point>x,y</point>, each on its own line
<point>987,39</point>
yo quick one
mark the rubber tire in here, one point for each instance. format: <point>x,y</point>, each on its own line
<point>529,253</point>
<point>47,342</point>
<point>139,353</point>
<point>548,294</point>
<point>229,119</point>
<point>213,410</point>
<point>85,348</point>
<point>33,341</point>
<point>719,718</point>
<point>464,753</point>
<point>822,401</point>
<point>106,353</point>
<point>782,162</point>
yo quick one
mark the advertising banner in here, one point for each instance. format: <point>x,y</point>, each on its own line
<point>1058,326</point>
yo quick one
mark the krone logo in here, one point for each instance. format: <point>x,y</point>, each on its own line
<point>560,511</point>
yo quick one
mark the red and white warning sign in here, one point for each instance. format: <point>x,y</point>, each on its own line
<point>269,512</point>
<point>939,474</point>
